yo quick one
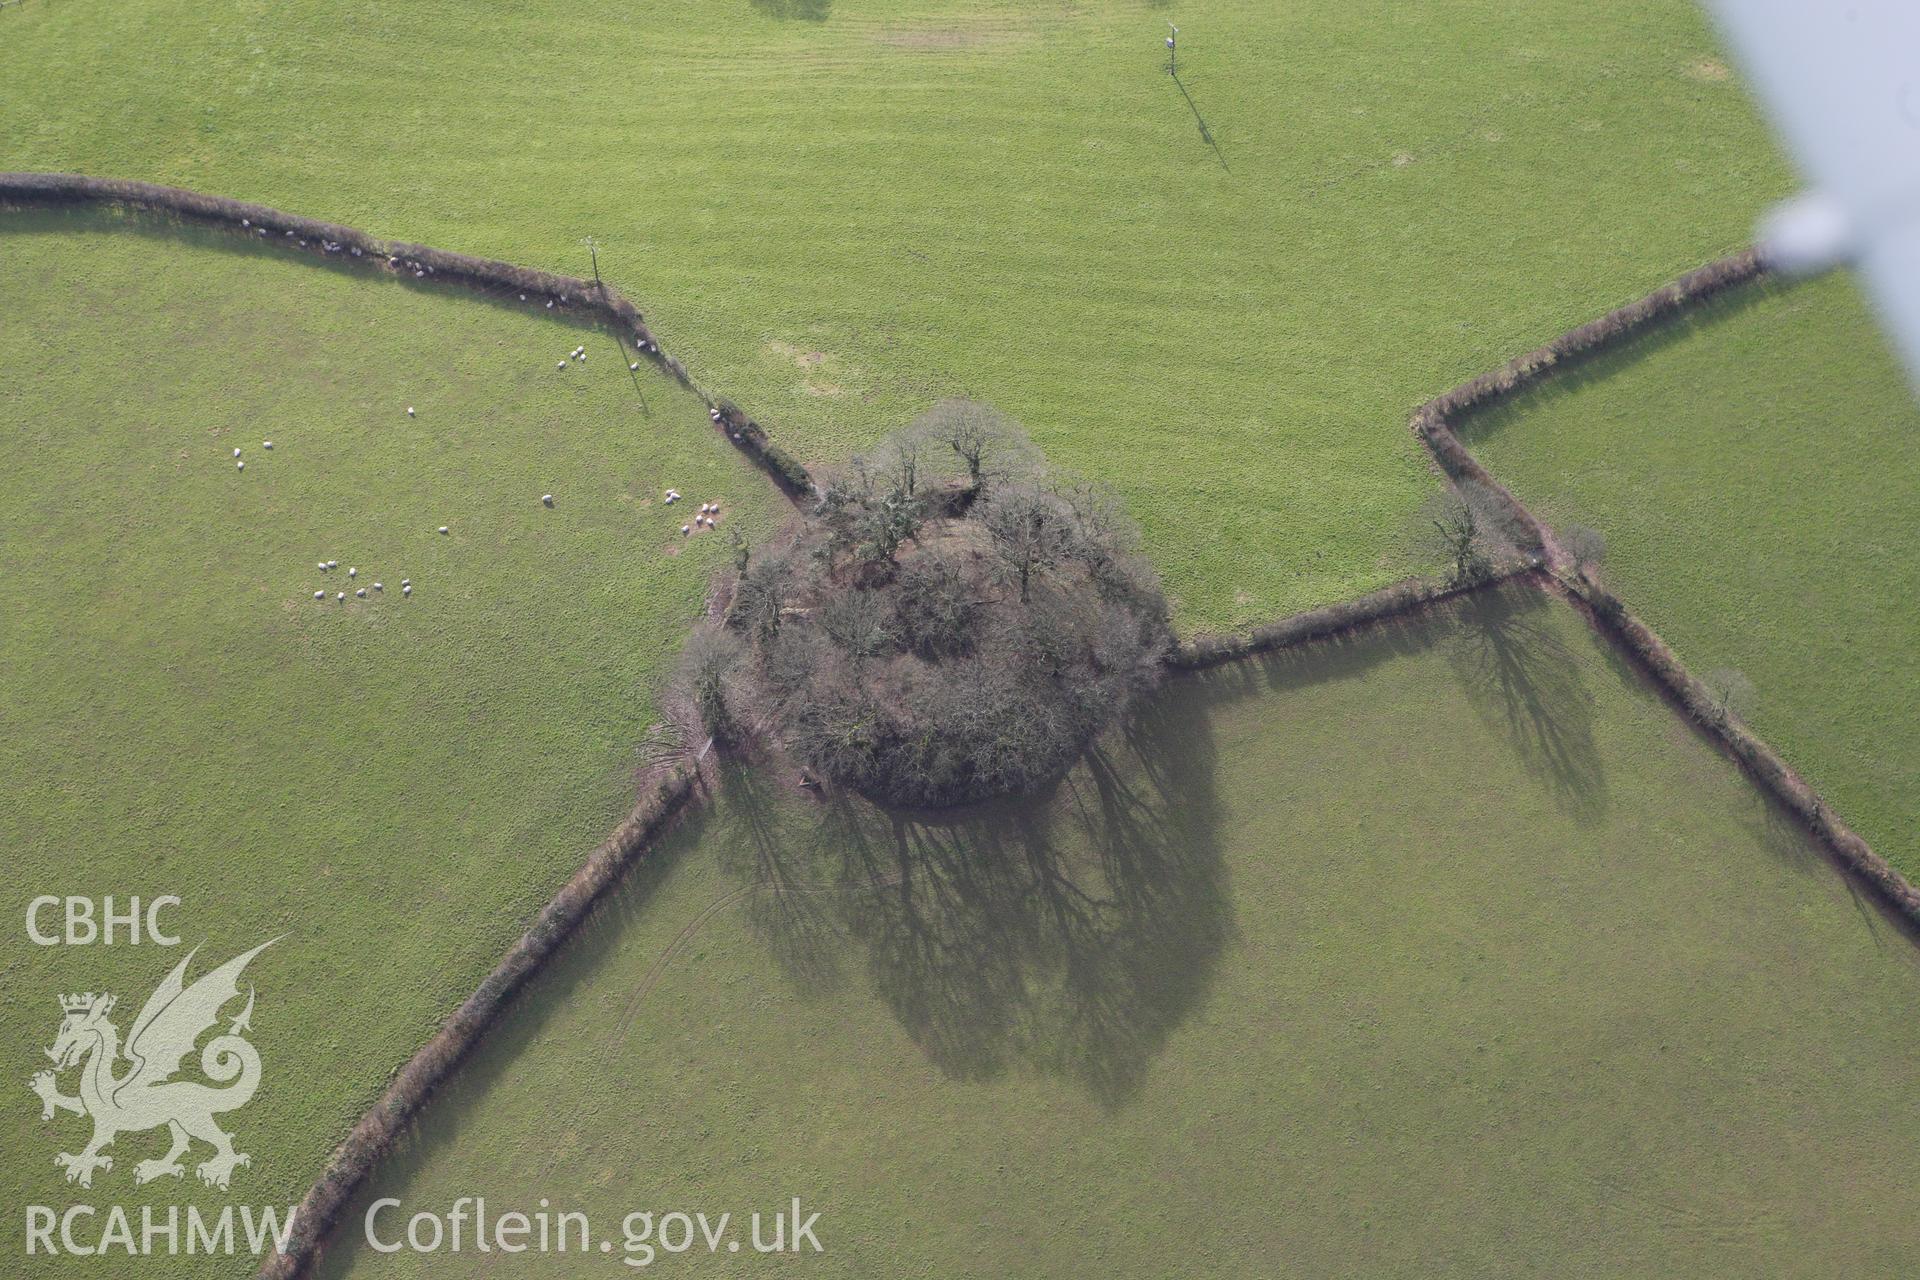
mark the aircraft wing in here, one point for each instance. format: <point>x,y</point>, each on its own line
<point>1841,81</point>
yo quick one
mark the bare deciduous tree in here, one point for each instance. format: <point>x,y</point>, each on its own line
<point>1586,547</point>
<point>1029,532</point>
<point>1463,542</point>
<point>1732,695</point>
<point>951,675</point>
<point>761,595</point>
<point>903,461</point>
<point>984,441</point>
<point>709,667</point>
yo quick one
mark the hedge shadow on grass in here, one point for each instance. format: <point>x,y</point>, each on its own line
<point>1579,349</point>
<point>171,233</point>
<point>460,1096</point>
<point>485,277</point>
<point>1515,670</point>
<point>1620,353</point>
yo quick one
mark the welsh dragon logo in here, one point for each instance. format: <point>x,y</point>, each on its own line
<point>145,1095</point>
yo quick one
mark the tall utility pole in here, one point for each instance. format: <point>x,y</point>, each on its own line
<point>1173,37</point>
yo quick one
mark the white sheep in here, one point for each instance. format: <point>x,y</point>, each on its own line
<point>406,582</point>
<point>321,565</point>
<point>319,595</point>
<point>342,596</point>
<point>561,365</point>
<point>361,593</point>
<point>685,530</point>
<point>443,528</point>
<point>378,587</point>
<point>406,591</point>
<point>409,411</point>
<point>266,444</point>
<point>236,453</point>
<point>546,499</point>
<point>240,466</point>
<point>333,564</point>
<point>353,573</point>
<point>632,367</point>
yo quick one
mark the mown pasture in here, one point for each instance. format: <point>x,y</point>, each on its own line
<point>394,784</point>
<point>1442,950</point>
<point>1221,293</point>
<point>1752,471</point>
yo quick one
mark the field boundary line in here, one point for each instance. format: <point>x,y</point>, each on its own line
<point>414,1084</point>
<point>1433,422</point>
<point>1330,620</point>
<point>352,247</point>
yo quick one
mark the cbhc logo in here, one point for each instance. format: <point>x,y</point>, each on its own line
<point>85,926</point>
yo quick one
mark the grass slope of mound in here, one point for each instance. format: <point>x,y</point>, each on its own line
<point>1443,950</point>
<point>1221,294</point>
<point>1753,473</point>
<point>395,784</point>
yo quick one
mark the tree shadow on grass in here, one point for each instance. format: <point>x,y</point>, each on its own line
<point>790,907</point>
<point>1071,933</point>
<point>460,1100</point>
<point>1520,673</point>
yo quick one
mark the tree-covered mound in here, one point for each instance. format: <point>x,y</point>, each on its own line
<point>948,624</point>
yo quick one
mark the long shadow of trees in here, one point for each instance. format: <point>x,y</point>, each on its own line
<point>1071,933</point>
<point>1519,672</point>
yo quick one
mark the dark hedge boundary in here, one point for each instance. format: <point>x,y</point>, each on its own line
<point>1433,423</point>
<point>354,247</point>
<point>1411,596</point>
<point>414,1084</point>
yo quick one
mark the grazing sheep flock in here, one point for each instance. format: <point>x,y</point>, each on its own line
<point>706,518</point>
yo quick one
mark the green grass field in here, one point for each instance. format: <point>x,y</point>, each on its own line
<point>1222,294</point>
<point>1753,474</point>
<point>396,784</point>
<point>1447,950</point>
<point>1443,951</point>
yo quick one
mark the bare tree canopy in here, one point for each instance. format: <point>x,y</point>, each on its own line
<point>1584,546</point>
<point>945,626</point>
<point>1466,533</point>
<point>1733,695</point>
<point>981,441</point>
